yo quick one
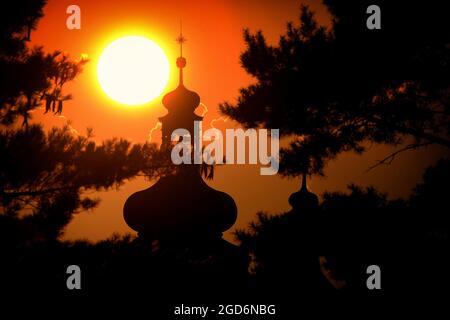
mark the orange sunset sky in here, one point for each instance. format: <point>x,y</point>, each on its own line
<point>214,33</point>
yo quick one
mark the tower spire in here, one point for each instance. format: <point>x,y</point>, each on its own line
<point>181,61</point>
<point>181,39</point>
<point>181,205</point>
<point>304,187</point>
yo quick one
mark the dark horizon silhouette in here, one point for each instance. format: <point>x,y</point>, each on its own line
<point>329,89</point>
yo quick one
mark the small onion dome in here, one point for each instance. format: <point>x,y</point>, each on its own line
<point>181,98</point>
<point>180,205</point>
<point>303,199</point>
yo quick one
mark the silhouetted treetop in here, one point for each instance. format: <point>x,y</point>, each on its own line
<point>332,89</point>
<point>17,20</point>
<point>31,77</point>
<point>50,174</point>
<point>431,195</point>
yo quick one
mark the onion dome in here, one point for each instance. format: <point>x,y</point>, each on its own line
<point>180,205</point>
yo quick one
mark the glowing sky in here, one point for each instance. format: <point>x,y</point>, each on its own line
<point>214,33</point>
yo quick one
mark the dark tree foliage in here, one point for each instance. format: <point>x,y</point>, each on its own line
<point>30,77</point>
<point>49,175</point>
<point>333,89</point>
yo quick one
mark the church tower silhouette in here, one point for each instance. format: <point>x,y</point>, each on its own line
<point>180,205</point>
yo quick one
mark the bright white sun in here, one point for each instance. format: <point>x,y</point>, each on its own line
<point>133,70</point>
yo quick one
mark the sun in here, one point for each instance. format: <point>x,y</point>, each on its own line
<point>133,70</point>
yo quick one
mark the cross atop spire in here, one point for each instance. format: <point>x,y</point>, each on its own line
<point>181,39</point>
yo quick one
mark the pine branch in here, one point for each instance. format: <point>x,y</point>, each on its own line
<point>391,157</point>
